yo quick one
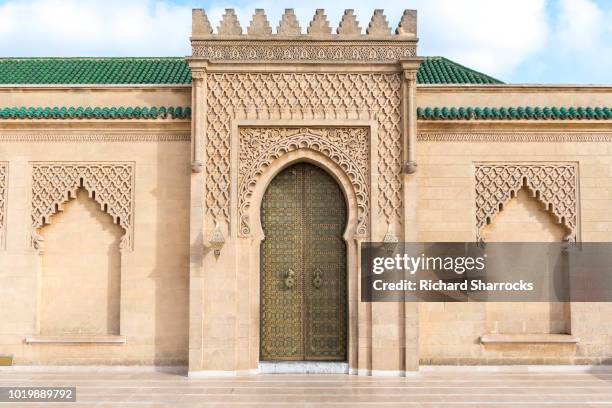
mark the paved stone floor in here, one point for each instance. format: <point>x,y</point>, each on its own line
<point>428,389</point>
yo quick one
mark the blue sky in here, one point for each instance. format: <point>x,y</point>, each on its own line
<point>518,41</point>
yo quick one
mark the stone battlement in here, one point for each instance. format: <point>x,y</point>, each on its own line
<point>319,28</point>
<point>379,45</point>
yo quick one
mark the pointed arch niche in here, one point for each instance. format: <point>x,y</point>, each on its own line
<point>527,202</point>
<point>555,185</point>
<point>110,184</point>
<point>82,224</point>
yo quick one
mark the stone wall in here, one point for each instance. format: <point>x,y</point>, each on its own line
<point>95,247</point>
<point>450,333</point>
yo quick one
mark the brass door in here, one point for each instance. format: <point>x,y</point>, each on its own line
<point>303,274</point>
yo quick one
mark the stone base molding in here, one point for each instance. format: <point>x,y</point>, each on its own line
<point>111,184</point>
<point>554,184</point>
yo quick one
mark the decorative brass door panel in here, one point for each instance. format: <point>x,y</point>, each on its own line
<point>303,287</point>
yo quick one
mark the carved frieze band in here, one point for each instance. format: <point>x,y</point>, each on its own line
<point>515,137</point>
<point>3,200</point>
<point>94,137</point>
<point>302,96</point>
<point>554,184</point>
<point>368,51</point>
<point>348,147</point>
<point>110,184</point>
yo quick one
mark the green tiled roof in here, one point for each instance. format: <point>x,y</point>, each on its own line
<point>79,112</point>
<point>94,71</point>
<point>171,70</point>
<point>439,70</point>
<point>515,113</point>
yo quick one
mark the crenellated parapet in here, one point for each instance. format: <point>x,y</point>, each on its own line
<point>318,42</point>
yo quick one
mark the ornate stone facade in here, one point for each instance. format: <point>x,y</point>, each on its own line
<point>300,96</point>
<point>186,190</point>
<point>110,184</point>
<point>554,184</point>
<point>290,45</point>
<point>348,147</point>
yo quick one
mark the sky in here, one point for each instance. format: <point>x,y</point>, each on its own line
<point>517,41</point>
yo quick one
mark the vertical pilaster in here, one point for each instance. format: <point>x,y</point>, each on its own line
<point>196,235</point>
<point>410,321</point>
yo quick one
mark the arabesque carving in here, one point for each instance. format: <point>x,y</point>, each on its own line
<point>347,146</point>
<point>3,199</point>
<point>299,96</point>
<point>306,51</point>
<point>110,184</point>
<point>553,184</point>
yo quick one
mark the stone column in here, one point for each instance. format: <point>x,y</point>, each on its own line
<point>409,117</point>
<point>198,123</point>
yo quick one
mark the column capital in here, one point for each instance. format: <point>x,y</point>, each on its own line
<point>198,76</point>
<point>410,67</point>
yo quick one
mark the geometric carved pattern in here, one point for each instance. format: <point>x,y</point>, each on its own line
<point>348,147</point>
<point>303,267</point>
<point>307,51</point>
<point>553,184</point>
<point>110,184</point>
<point>299,96</point>
<point>3,199</point>
<point>515,136</point>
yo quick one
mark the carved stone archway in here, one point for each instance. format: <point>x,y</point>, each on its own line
<point>348,147</point>
<point>554,184</point>
<point>110,184</point>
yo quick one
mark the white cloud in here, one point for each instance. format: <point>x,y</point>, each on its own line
<point>92,28</point>
<point>494,36</point>
<point>580,25</point>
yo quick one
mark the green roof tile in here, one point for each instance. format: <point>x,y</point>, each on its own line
<point>515,113</point>
<point>94,71</point>
<point>174,70</point>
<point>96,112</point>
<point>440,70</point>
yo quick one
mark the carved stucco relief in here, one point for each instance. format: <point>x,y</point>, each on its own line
<point>299,96</point>
<point>3,199</point>
<point>346,146</point>
<point>111,184</point>
<point>300,51</point>
<point>492,137</point>
<point>553,184</point>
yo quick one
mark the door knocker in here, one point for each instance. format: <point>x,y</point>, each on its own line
<point>317,281</point>
<point>289,279</point>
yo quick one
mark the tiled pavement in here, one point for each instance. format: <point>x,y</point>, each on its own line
<point>428,389</point>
